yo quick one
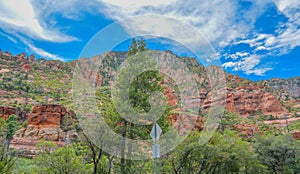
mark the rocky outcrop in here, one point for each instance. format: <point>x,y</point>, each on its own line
<point>246,100</point>
<point>21,57</point>
<point>285,89</point>
<point>7,54</point>
<point>26,67</point>
<point>281,123</point>
<point>247,129</point>
<point>45,122</point>
<point>32,57</point>
<point>296,134</point>
<point>181,121</point>
<point>6,111</point>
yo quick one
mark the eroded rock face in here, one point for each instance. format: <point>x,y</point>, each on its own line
<point>242,100</point>
<point>21,57</point>
<point>26,67</point>
<point>296,135</point>
<point>247,129</point>
<point>246,100</point>
<point>45,122</point>
<point>32,57</point>
<point>182,122</point>
<point>6,111</point>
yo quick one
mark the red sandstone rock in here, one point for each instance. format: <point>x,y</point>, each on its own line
<point>246,100</point>
<point>296,134</point>
<point>45,122</point>
<point>21,57</point>
<point>6,111</point>
<point>32,57</point>
<point>26,67</point>
<point>247,129</point>
<point>6,53</point>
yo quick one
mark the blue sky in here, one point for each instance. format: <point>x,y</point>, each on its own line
<point>255,39</point>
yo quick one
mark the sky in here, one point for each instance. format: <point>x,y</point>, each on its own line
<point>255,39</point>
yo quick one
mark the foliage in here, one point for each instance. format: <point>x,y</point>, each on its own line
<point>229,120</point>
<point>62,160</point>
<point>281,154</point>
<point>6,156</point>
<point>12,124</point>
<point>45,146</point>
<point>136,46</point>
<point>224,153</point>
<point>294,126</point>
<point>25,165</point>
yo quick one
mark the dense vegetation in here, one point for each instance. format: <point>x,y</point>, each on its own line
<point>226,152</point>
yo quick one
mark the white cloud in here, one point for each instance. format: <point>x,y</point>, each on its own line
<point>40,51</point>
<point>256,40</point>
<point>285,38</point>
<point>238,55</point>
<point>9,37</point>
<point>248,65</point>
<point>132,5</point>
<point>20,17</point>
<point>221,22</point>
<point>218,20</point>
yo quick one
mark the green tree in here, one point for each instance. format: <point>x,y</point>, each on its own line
<point>142,45</point>
<point>12,124</point>
<point>281,154</point>
<point>6,157</point>
<point>140,91</point>
<point>133,49</point>
<point>62,160</point>
<point>224,153</point>
<point>45,146</point>
<point>136,46</point>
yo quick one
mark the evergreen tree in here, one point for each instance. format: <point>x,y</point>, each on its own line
<point>133,49</point>
<point>142,45</point>
<point>137,46</point>
<point>12,124</point>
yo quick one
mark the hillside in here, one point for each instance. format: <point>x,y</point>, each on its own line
<point>27,84</point>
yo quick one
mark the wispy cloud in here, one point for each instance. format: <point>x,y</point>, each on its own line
<point>221,22</point>
<point>215,19</point>
<point>20,17</point>
<point>248,65</point>
<point>9,37</point>
<point>40,51</point>
<point>224,23</point>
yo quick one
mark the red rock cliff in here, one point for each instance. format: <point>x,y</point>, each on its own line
<point>45,122</point>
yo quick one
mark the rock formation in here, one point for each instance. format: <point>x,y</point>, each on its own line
<point>246,100</point>
<point>6,111</point>
<point>45,122</point>
<point>21,57</point>
<point>7,54</point>
<point>296,134</point>
<point>32,57</point>
<point>247,129</point>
